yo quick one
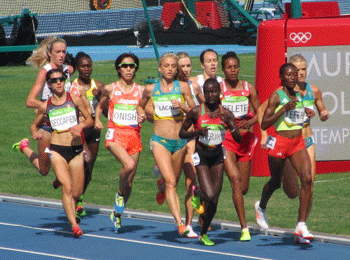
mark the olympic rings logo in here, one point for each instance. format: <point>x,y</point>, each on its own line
<point>300,37</point>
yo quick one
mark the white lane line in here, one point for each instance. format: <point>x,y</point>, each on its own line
<point>39,253</point>
<point>139,242</point>
<point>332,180</point>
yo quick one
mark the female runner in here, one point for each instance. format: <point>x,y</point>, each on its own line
<point>49,55</point>
<point>90,90</point>
<point>123,137</point>
<point>168,150</point>
<point>210,122</point>
<point>66,149</point>
<point>239,96</point>
<point>285,110</point>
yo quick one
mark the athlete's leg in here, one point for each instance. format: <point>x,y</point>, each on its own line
<point>235,180</point>
<point>301,162</point>
<point>190,180</point>
<point>244,168</point>
<point>290,180</point>
<point>276,165</point>
<point>61,169</point>
<point>165,162</point>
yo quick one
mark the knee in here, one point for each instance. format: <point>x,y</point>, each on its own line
<point>170,183</point>
<point>129,166</point>
<point>245,190</point>
<point>274,184</point>
<point>307,180</point>
<point>67,189</point>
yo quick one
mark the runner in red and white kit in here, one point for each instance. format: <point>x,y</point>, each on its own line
<point>123,137</point>
<point>239,97</point>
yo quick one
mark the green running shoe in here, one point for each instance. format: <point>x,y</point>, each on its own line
<point>117,221</point>
<point>79,207</point>
<point>245,236</point>
<point>206,241</point>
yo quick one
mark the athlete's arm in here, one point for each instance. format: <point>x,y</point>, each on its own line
<point>102,104</point>
<point>83,109</point>
<point>256,104</point>
<point>198,92</point>
<point>37,120</point>
<point>229,118</point>
<point>32,102</point>
<point>263,133</point>
<point>270,117</point>
<point>191,118</point>
<point>146,97</point>
<point>321,108</point>
<point>186,92</point>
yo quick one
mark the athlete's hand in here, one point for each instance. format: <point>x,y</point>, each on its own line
<point>76,130</point>
<point>203,131</point>
<point>290,105</point>
<point>141,118</point>
<point>309,112</point>
<point>324,115</point>
<point>37,135</point>
<point>176,103</point>
<point>98,124</point>
<point>263,140</point>
<point>246,124</point>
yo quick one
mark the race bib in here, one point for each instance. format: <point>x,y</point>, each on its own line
<point>109,134</point>
<point>195,158</point>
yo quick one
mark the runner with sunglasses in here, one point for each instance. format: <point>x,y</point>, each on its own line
<point>123,137</point>
<point>66,149</point>
<point>50,54</point>
<point>167,148</point>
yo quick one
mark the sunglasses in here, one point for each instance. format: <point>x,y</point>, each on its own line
<point>125,65</point>
<point>55,80</point>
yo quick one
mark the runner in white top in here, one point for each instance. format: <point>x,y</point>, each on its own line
<point>209,64</point>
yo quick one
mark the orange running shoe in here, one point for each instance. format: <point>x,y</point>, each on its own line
<point>77,232</point>
<point>183,230</point>
<point>160,198</point>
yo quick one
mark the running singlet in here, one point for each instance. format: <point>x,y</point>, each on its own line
<point>122,106</point>
<point>237,101</point>
<point>200,80</point>
<point>89,93</point>
<point>62,117</point>
<point>216,128</point>
<point>309,102</point>
<point>45,92</point>
<point>194,97</point>
<point>291,119</point>
<point>163,108</point>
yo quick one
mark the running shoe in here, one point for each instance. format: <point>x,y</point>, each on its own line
<point>119,204</point>
<point>261,216</point>
<point>156,170</point>
<point>77,218</point>
<point>77,232</point>
<point>56,184</point>
<point>183,230</point>
<point>301,241</point>
<point>160,198</point>
<point>21,145</point>
<point>79,206</point>
<point>302,231</point>
<point>117,221</point>
<point>205,240</point>
<point>245,236</point>
<point>201,222</point>
<point>191,234</point>
<point>197,205</point>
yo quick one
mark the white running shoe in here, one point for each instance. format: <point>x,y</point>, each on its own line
<point>301,241</point>
<point>302,231</point>
<point>260,215</point>
<point>191,234</point>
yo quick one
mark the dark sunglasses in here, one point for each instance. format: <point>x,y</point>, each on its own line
<point>125,65</point>
<point>55,80</point>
